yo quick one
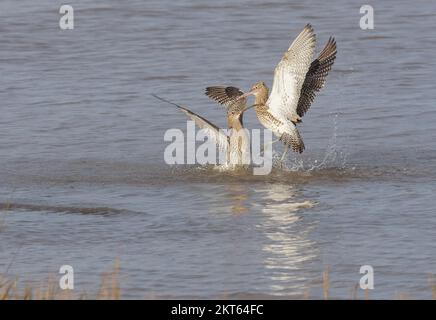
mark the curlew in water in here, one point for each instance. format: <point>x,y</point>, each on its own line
<point>297,79</point>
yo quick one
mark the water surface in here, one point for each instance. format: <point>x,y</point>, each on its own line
<point>83,180</point>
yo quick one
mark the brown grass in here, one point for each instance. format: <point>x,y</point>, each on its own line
<point>110,284</point>
<point>3,211</point>
<point>354,291</point>
<point>110,289</point>
<point>326,283</point>
<point>433,286</point>
<point>402,296</point>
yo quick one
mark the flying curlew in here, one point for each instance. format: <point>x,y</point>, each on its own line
<point>297,79</point>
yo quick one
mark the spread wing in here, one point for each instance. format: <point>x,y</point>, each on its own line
<point>316,76</point>
<point>212,130</point>
<point>227,96</point>
<point>290,73</point>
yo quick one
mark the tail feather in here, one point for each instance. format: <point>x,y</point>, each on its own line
<point>293,140</point>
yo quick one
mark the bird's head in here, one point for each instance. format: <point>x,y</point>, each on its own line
<point>258,88</point>
<point>235,116</point>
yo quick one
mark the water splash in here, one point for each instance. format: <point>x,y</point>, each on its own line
<point>335,156</point>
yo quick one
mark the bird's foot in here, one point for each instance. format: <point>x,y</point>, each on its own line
<point>296,119</point>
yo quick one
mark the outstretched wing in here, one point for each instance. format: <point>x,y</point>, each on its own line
<point>227,96</point>
<point>223,95</point>
<point>290,73</point>
<point>316,76</point>
<point>212,130</point>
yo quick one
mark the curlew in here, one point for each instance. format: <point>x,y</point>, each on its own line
<point>235,144</point>
<point>297,79</point>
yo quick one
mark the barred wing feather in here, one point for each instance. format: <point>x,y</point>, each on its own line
<point>227,96</point>
<point>290,74</point>
<point>316,76</point>
<point>212,131</point>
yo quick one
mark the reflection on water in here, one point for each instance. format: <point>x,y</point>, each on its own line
<point>238,196</point>
<point>275,213</point>
<point>288,247</point>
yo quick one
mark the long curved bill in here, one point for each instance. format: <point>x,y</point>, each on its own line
<point>249,107</point>
<point>245,95</point>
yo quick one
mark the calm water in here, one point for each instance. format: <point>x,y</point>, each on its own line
<point>81,150</point>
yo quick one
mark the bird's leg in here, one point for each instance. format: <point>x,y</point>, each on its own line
<point>263,147</point>
<point>284,153</point>
<point>268,143</point>
<point>296,119</point>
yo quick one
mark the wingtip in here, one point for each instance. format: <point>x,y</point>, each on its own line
<point>211,92</point>
<point>167,101</point>
<point>329,51</point>
<point>309,32</point>
<point>332,41</point>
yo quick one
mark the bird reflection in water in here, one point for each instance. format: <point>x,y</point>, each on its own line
<point>288,247</point>
<point>238,197</point>
<point>278,215</point>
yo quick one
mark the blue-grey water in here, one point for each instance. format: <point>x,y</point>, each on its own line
<point>83,180</point>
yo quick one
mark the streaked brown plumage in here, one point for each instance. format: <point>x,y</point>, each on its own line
<point>224,95</point>
<point>235,144</point>
<point>316,76</point>
<point>297,79</point>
